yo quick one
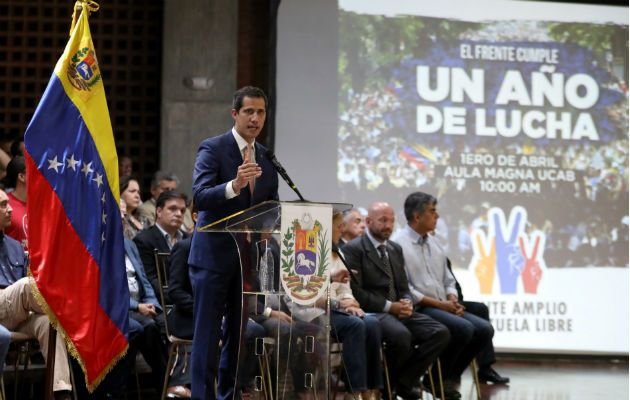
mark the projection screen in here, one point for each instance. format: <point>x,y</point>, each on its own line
<point>513,114</point>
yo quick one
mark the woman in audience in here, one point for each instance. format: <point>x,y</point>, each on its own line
<point>130,193</point>
<point>359,333</point>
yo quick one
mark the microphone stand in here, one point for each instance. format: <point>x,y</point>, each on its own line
<point>276,164</point>
<point>335,250</point>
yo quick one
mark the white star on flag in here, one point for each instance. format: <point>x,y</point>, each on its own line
<point>54,164</point>
<point>87,168</point>
<point>104,216</point>
<point>103,237</point>
<point>103,198</point>
<point>98,179</point>
<point>72,163</point>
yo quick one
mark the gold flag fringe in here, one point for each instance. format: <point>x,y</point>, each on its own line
<point>69,344</point>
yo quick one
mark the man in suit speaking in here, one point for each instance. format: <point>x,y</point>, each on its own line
<point>231,174</point>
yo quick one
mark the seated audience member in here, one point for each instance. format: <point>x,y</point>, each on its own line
<point>486,357</point>
<point>353,226</point>
<point>161,182</point>
<point>413,340</point>
<point>16,178</point>
<point>17,147</point>
<point>145,308</point>
<point>433,289</point>
<point>19,310</point>
<point>180,319</point>
<point>130,193</point>
<point>359,333</point>
<point>170,208</point>
<point>5,152</point>
<point>125,166</point>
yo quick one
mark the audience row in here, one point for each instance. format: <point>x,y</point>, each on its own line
<point>400,293</point>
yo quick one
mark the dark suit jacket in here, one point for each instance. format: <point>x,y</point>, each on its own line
<point>180,318</point>
<point>218,159</point>
<point>147,295</point>
<point>147,241</point>
<point>373,282</point>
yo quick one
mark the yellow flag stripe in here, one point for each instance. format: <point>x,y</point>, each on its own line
<point>93,107</point>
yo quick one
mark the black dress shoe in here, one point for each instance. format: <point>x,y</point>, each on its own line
<point>450,393</point>
<point>409,394</point>
<point>490,375</point>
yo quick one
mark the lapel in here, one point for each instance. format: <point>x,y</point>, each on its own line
<point>160,240</point>
<point>393,261</point>
<point>259,181</point>
<point>234,153</point>
<point>373,254</point>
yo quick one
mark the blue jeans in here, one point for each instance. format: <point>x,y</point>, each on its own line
<point>5,341</point>
<point>361,338</point>
<point>469,335</point>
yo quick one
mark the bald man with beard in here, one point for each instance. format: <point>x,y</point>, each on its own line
<point>413,340</point>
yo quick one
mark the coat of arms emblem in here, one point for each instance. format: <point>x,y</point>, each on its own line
<point>305,258</point>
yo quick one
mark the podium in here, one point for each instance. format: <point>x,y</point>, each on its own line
<point>284,250</point>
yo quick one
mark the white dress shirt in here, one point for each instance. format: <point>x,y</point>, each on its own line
<point>242,146</point>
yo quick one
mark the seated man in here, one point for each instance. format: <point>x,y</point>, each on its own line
<point>163,181</point>
<point>433,289</point>
<point>17,302</point>
<point>145,309</point>
<point>170,209</point>
<point>16,178</point>
<point>413,340</point>
<point>353,226</point>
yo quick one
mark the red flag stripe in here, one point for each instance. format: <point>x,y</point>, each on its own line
<point>73,302</point>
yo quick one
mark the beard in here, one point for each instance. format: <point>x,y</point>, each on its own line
<point>381,235</point>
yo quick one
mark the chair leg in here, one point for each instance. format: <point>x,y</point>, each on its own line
<point>138,389</point>
<point>441,382</point>
<point>263,382</point>
<point>440,377</point>
<point>23,352</point>
<point>386,370</point>
<point>268,369</point>
<point>174,348</point>
<point>431,380</point>
<point>474,368</point>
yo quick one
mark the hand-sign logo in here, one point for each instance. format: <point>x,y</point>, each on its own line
<point>506,251</point>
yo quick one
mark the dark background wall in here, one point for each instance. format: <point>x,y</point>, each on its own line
<point>147,49</point>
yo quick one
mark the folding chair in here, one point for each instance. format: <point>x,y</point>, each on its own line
<point>161,263</point>
<point>386,371</point>
<point>24,349</point>
<point>473,370</point>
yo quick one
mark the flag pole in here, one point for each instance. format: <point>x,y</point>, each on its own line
<point>52,332</point>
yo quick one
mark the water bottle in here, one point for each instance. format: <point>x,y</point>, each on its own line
<point>265,272</point>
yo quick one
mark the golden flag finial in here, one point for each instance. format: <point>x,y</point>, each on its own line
<point>89,5</point>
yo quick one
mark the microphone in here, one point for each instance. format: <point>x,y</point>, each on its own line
<point>335,250</point>
<point>283,173</point>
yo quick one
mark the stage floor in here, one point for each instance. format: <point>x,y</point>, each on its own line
<point>564,380</point>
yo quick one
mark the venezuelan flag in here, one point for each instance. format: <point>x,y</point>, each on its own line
<point>76,246</point>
